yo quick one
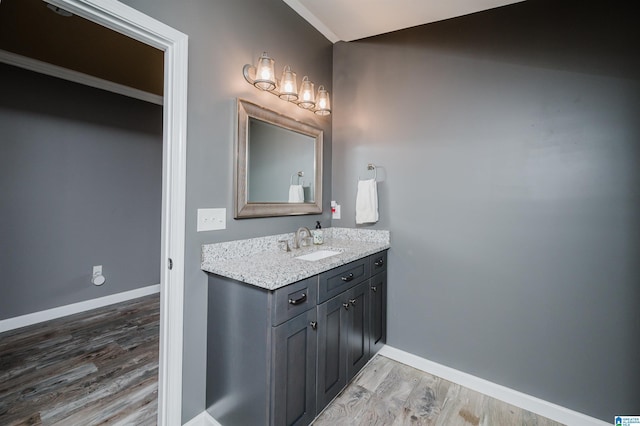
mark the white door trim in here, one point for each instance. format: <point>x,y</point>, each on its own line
<point>126,20</point>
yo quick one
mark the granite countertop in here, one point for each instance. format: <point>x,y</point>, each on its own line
<point>260,262</point>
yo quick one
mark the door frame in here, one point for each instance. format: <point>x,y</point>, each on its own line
<point>128,21</point>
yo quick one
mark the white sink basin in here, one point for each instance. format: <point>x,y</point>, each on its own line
<point>317,255</point>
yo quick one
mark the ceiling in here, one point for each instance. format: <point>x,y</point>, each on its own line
<point>348,20</point>
<point>30,29</point>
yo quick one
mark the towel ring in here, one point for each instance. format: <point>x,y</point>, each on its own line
<point>300,174</point>
<point>373,167</point>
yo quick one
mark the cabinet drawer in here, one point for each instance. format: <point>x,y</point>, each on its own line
<point>294,299</point>
<point>335,281</point>
<point>378,262</point>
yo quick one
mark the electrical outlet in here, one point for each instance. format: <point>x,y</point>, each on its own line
<point>212,219</point>
<point>335,210</point>
<point>97,278</point>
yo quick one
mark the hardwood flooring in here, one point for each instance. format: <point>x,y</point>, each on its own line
<point>101,367</point>
<point>387,392</point>
<point>96,367</point>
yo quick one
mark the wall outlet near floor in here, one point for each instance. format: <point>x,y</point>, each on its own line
<point>97,278</point>
<point>212,219</point>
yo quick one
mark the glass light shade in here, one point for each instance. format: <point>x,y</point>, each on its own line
<point>323,105</point>
<point>288,85</point>
<point>306,99</point>
<point>265,74</point>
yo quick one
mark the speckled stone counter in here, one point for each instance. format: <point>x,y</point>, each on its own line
<point>259,261</point>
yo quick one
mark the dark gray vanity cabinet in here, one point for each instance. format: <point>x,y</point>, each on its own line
<point>378,302</point>
<point>278,357</point>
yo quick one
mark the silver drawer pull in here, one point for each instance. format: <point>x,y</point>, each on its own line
<point>379,262</point>
<point>353,302</point>
<point>314,325</point>
<point>298,301</point>
<point>374,288</point>
<point>348,277</point>
<point>346,306</point>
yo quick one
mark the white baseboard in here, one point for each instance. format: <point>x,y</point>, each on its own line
<point>510,396</point>
<point>75,308</point>
<point>202,419</point>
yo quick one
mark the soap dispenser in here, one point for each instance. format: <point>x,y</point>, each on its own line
<point>318,238</point>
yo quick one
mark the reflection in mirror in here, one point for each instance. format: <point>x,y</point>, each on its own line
<point>279,160</point>
<point>278,164</point>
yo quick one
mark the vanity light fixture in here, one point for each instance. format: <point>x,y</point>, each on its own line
<point>263,77</point>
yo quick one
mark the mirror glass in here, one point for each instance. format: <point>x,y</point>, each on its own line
<point>278,164</point>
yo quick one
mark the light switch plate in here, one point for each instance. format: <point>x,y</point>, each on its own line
<point>212,219</point>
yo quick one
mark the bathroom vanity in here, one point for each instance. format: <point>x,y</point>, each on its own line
<point>286,335</point>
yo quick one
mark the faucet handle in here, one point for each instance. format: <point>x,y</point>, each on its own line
<point>284,246</point>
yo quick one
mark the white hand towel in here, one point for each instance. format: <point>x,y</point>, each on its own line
<point>367,201</point>
<point>296,194</point>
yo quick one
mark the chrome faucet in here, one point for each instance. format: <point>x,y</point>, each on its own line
<point>297,238</point>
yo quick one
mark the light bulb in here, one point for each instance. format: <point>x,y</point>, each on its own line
<point>265,74</point>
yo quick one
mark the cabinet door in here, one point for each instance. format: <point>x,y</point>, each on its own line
<point>332,362</point>
<point>357,329</point>
<point>377,312</point>
<point>294,371</point>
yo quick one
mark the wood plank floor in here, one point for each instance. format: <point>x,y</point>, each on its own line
<point>96,367</point>
<point>101,367</point>
<point>387,392</point>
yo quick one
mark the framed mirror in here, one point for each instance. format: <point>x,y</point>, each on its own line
<point>278,165</point>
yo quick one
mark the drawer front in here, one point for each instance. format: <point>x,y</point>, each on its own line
<point>378,262</point>
<point>294,299</point>
<point>342,278</point>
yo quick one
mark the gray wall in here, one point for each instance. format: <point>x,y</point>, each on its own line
<point>509,150</point>
<point>80,185</point>
<point>223,36</point>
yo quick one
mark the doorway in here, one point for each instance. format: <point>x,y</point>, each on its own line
<point>125,20</point>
